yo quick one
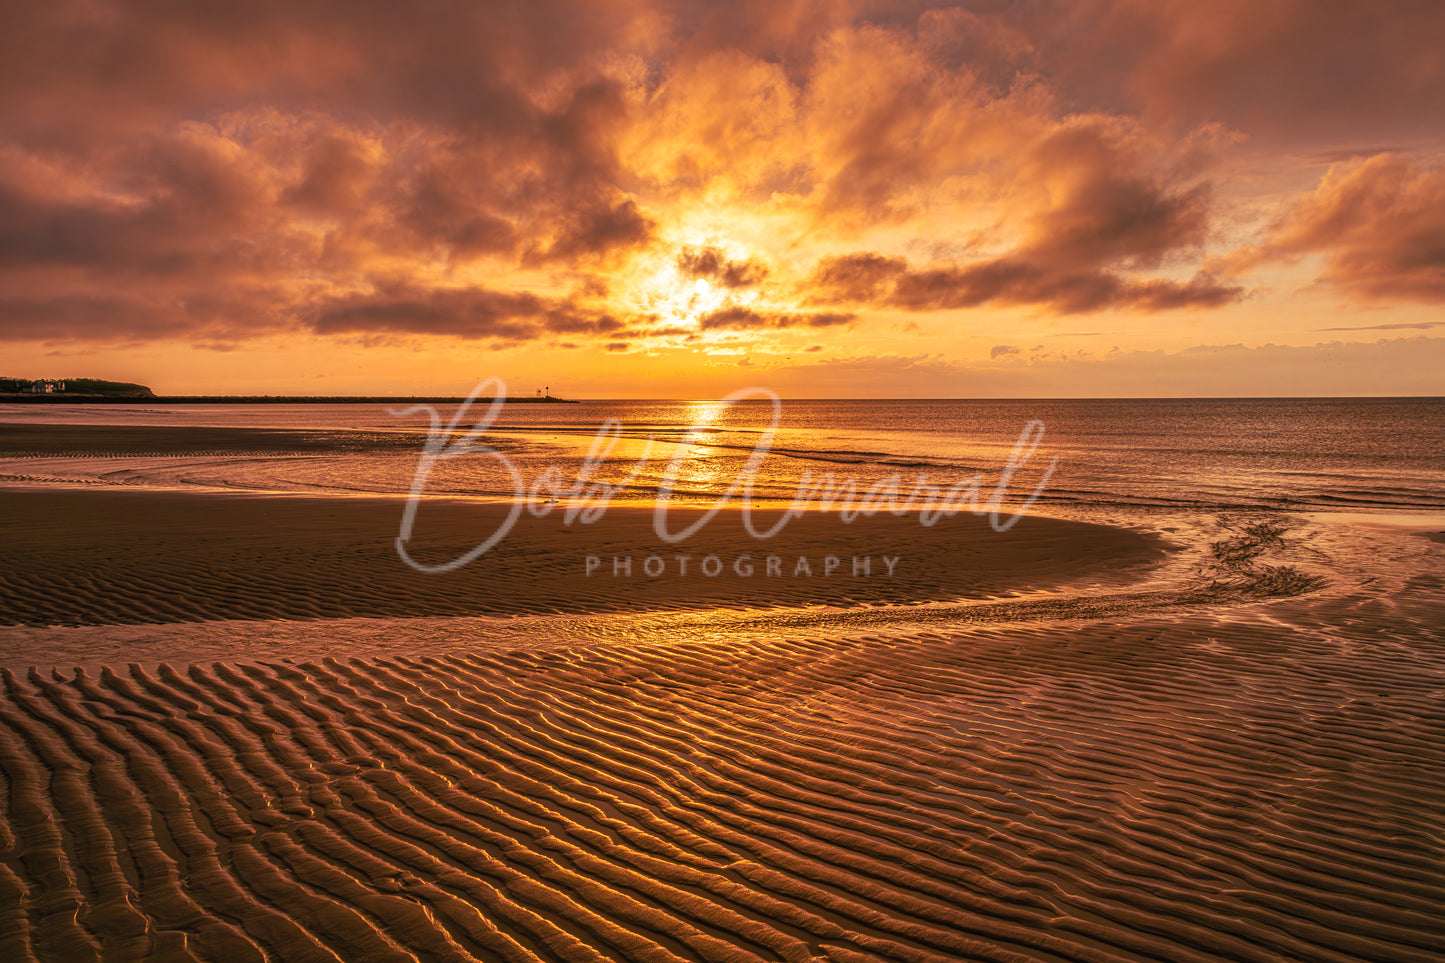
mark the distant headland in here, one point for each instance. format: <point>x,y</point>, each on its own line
<point>94,391</point>
<point>71,389</point>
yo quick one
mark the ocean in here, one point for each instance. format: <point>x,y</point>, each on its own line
<point>1357,455</point>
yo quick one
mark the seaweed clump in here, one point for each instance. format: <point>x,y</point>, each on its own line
<point>1235,567</point>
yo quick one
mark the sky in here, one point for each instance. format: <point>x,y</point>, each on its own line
<point>635,199</point>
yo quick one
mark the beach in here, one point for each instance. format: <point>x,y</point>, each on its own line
<point>804,481</point>
<point>155,557</point>
<point>237,726</point>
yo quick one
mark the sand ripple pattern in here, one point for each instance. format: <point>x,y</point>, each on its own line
<point>1165,790</point>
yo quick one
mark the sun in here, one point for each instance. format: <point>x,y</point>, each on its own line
<point>678,299</point>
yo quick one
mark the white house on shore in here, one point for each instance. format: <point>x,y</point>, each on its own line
<point>43,387</point>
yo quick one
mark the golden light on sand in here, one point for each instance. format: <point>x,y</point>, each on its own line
<point>304,658</point>
<point>773,792</point>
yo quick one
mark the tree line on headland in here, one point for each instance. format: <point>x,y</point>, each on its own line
<point>73,388</point>
<point>94,390</point>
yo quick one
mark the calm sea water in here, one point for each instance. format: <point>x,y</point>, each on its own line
<point>1367,455</point>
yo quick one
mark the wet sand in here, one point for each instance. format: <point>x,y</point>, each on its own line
<point>118,557</point>
<point>47,440</point>
<point>1235,779</point>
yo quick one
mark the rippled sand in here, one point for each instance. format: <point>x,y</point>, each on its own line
<point>1100,753</point>
<point>127,557</point>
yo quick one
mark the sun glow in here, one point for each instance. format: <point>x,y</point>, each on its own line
<point>675,299</point>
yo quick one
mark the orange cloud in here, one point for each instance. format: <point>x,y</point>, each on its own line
<point>1292,71</point>
<point>466,313</point>
<point>872,278</point>
<point>1382,224</point>
<point>711,264</point>
<point>740,318</point>
<point>563,173</point>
